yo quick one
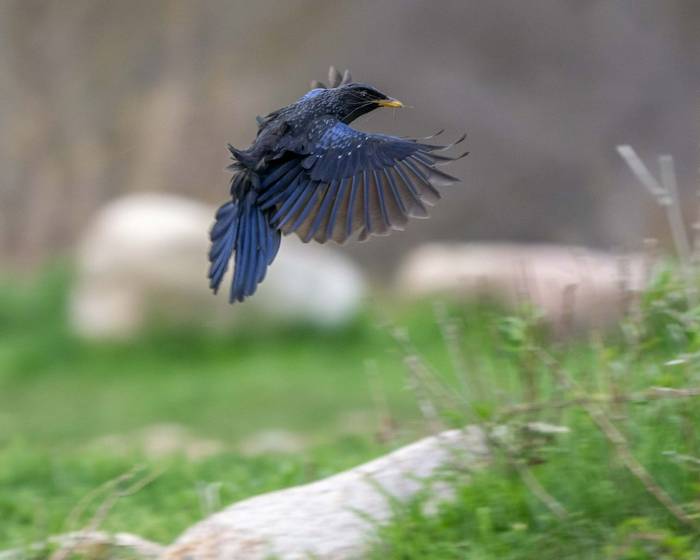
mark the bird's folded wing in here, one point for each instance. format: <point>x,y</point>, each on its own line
<point>350,180</point>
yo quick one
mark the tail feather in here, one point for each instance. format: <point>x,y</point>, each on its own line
<point>223,240</point>
<point>244,228</point>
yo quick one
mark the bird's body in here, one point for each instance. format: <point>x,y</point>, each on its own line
<point>310,173</point>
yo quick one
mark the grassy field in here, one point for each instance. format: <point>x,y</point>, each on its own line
<point>60,398</point>
<point>346,396</point>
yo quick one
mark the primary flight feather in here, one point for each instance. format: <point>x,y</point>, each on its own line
<point>310,173</point>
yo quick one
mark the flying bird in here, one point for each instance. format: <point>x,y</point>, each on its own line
<point>310,173</point>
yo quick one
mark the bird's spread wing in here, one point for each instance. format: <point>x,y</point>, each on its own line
<point>349,180</point>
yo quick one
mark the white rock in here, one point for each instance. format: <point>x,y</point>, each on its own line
<point>310,283</point>
<point>333,518</point>
<point>272,441</point>
<point>160,440</point>
<point>547,429</point>
<point>146,255</point>
<point>90,544</point>
<point>573,286</point>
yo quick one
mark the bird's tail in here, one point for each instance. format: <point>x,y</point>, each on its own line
<point>242,228</point>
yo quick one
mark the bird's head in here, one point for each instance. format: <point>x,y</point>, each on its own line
<point>350,101</point>
<point>355,100</point>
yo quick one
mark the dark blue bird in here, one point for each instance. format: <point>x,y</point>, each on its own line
<point>310,173</point>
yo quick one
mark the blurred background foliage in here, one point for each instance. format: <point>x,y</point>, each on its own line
<point>102,98</point>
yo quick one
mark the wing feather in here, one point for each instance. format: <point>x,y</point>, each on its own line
<point>351,208</point>
<point>335,213</point>
<point>348,181</point>
<point>378,191</point>
<point>321,216</point>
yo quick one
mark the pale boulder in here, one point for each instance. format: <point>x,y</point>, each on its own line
<point>89,544</point>
<point>144,256</point>
<point>572,286</point>
<point>273,441</point>
<point>334,518</point>
<point>158,441</point>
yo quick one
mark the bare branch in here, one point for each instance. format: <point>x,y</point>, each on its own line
<point>642,172</point>
<point>653,393</point>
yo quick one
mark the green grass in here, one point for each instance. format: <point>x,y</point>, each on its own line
<point>59,394</point>
<point>610,514</point>
<point>41,489</point>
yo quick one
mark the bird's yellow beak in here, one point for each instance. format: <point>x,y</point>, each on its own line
<point>393,103</point>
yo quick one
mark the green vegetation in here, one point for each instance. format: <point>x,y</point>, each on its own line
<point>60,396</point>
<point>598,491</point>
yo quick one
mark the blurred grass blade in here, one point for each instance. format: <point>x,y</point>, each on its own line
<point>642,173</point>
